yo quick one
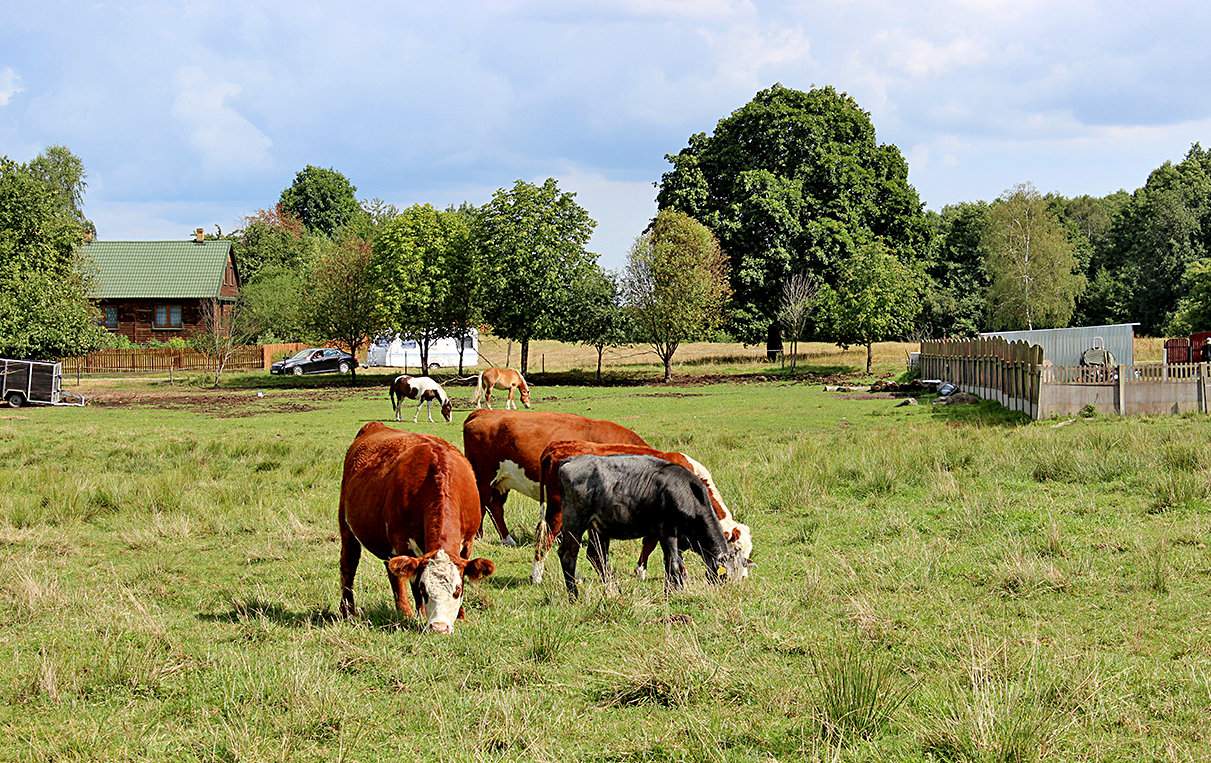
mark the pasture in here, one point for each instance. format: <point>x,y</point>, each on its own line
<point>168,584</point>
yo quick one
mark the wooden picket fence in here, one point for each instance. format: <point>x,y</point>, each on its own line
<point>159,360</point>
<point>991,368</point>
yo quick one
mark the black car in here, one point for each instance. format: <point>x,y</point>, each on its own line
<point>315,360</point>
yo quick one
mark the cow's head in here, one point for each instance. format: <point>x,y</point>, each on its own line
<point>525,396</point>
<point>448,410</point>
<point>727,568</point>
<point>740,539</point>
<point>438,582</point>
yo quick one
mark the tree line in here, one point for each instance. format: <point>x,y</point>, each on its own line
<point>788,222</point>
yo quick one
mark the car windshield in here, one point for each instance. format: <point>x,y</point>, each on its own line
<point>302,354</point>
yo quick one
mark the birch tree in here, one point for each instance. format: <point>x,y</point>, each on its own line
<point>1035,277</point>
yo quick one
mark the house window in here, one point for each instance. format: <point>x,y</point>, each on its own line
<point>111,317</point>
<point>168,316</point>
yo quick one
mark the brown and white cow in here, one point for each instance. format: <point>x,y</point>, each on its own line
<point>505,449</point>
<point>410,499</point>
<point>737,534</point>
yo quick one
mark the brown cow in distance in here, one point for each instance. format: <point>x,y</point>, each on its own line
<point>410,499</point>
<point>737,534</point>
<point>504,449</point>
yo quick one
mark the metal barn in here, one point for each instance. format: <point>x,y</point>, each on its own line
<point>1063,347</point>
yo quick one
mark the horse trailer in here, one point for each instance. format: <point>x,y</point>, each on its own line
<point>404,352</point>
<point>34,382</point>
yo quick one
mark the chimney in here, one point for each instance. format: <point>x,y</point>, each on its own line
<point>199,235</point>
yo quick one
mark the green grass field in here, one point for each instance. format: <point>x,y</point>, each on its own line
<point>168,582</point>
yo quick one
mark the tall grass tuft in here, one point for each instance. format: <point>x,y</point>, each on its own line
<point>1002,712</point>
<point>1158,569</point>
<point>679,673</point>
<point>858,691</point>
<point>548,638</point>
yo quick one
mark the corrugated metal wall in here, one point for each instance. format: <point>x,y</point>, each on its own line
<point>1063,347</point>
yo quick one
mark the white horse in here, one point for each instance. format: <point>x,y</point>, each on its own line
<point>424,390</point>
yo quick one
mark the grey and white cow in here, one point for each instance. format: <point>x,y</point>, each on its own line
<point>626,497</point>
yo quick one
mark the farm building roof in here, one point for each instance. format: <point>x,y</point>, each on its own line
<point>158,269</point>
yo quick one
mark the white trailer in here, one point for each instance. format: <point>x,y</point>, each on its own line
<point>404,352</point>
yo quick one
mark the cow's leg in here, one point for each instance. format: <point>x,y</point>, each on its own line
<point>496,507</point>
<point>674,569</point>
<point>641,566</point>
<point>401,596</point>
<point>351,553</point>
<point>599,556</point>
<point>569,549</point>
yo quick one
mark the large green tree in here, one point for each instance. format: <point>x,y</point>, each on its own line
<point>1160,232</point>
<point>676,284</point>
<point>322,198</point>
<point>45,308</point>
<point>1194,308</point>
<point>793,182</point>
<point>533,239</point>
<point>1033,272</point>
<point>876,298</point>
<point>337,304</point>
<point>415,257</point>
<point>956,284</point>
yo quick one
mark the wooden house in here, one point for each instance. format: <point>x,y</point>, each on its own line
<point>157,290</point>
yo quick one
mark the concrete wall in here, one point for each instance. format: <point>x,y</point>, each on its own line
<point>1131,398</point>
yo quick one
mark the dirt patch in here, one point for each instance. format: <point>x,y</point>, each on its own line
<point>223,405</point>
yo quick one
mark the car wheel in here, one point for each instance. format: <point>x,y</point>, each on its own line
<point>434,365</point>
<point>343,367</point>
<point>15,399</point>
<point>298,371</point>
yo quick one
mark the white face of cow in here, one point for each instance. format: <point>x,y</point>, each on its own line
<point>440,586</point>
<point>438,582</point>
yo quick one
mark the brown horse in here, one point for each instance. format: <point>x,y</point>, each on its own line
<point>500,378</point>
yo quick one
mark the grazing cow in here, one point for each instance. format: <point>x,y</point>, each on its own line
<point>500,378</point>
<point>504,450</point>
<point>735,533</point>
<point>410,499</point>
<point>627,497</point>
<point>424,390</point>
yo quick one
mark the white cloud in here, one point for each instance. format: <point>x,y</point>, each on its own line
<point>226,140</point>
<point>10,85</point>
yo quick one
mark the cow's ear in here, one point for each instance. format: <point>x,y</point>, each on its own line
<point>735,535</point>
<point>478,568</point>
<point>403,566</point>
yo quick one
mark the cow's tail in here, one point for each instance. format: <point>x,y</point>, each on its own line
<point>542,533</point>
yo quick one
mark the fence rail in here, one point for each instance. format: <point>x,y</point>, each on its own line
<point>149,360</point>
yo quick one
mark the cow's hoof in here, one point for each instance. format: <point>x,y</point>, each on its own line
<point>536,573</point>
<point>641,573</point>
<point>508,541</point>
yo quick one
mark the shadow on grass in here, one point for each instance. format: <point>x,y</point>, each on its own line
<point>982,414</point>
<point>379,615</point>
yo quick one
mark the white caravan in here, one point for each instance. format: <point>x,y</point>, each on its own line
<point>400,352</point>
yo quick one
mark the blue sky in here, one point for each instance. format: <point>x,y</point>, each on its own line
<point>199,113</point>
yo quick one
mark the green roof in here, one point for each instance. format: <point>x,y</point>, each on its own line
<point>158,269</point>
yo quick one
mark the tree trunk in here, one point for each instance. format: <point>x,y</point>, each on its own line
<point>668,368</point>
<point>868,353</point>
<point>773,342</point>
<point>423,345</point>
<point>462,348</point>
<point>353,367</point>
<point>525,356</point>
<point>600,350</point>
